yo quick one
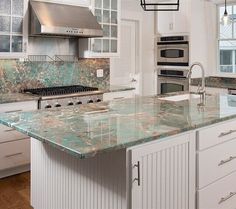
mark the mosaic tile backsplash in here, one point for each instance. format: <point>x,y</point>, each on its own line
<point>16,76</point>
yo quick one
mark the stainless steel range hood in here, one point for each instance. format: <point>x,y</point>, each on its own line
<point>51,19</point>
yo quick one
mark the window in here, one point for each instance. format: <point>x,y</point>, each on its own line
<point>227,41</point>
<point>11,26</point>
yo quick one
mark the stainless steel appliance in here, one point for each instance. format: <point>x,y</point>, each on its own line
<point>52,19</point>
<point>172,51</point>
<point>62,96</point>
<point>172,80</point>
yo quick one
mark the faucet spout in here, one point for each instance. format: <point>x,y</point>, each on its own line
<point>202,90</point>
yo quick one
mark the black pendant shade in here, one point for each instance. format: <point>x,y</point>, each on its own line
<point>160,5</point>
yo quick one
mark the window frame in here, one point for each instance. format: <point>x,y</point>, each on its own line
<point>218,72</point>
<point>23,54</point>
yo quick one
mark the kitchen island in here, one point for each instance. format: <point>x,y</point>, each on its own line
<point>140,153</point>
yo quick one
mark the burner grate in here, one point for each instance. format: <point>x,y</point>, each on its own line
<point>60,90</point>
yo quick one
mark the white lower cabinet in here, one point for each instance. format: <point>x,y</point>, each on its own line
<point>216,166</point>
<point>163,174</point>
<point>14,146</point>
<point>219,195</point>
<point>118,95</point>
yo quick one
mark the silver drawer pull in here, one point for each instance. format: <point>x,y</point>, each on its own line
<point>119,98</point>
<point>12,111</point>
<point>222,162</point>
<point>227,133</point>
<point>12,155</point>
<point>223,199</point>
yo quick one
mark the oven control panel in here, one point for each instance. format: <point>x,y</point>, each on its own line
<point>66,102</point>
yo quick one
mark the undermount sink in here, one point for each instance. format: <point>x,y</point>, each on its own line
<point>182,97</point>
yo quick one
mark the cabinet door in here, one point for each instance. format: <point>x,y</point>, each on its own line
<point>161,176</point>
<point>165,22</point>
<point>13,27</point>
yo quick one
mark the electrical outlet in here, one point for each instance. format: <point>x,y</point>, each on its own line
<point>99,73</point>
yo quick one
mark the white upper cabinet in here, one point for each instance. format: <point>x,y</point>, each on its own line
<point>13,28</point>
<point>108,16</point>
<point>174,21</point>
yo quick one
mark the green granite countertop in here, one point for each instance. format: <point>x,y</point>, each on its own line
<point>95,128</point>
<point>115,88</point>
<point>16,97</point>
<point>216,82</point>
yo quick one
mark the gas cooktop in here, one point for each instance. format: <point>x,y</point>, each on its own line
<point>60,90</point>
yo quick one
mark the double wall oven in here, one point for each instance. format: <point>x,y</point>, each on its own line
<point>172,51</point>
<point>172,59</point>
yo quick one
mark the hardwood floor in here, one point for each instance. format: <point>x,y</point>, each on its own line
<point>15,192</point>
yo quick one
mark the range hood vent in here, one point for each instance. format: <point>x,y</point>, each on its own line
<point>51,19</point>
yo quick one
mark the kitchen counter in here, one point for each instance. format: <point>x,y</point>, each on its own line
<point>83,132</point>
<point>114,88</point>
<point>216,82</point>
<point>16,97</point>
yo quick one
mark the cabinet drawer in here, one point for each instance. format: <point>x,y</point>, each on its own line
<point>18,106</point>
<point>8,134</point>
<point>118,95</point>
<point>216,162</point>
<point>216,134</point>
<point>13,154</point>
<point>220,195</point>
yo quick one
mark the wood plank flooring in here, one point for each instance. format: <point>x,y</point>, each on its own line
<point>15,192</point>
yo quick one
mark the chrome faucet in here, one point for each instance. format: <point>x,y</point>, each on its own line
<point>202,89</point>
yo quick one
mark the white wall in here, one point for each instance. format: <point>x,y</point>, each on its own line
<point>203,35</point>
<point>131,9</point>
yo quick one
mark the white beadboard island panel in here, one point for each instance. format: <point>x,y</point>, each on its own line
<point>61,181</point>
<point>167,179</point>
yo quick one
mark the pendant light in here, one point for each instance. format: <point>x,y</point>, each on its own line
<point>160,5</point>
<point>225,20</point>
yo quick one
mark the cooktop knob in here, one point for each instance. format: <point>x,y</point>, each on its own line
<point>79,103</point>
<point>48,106</point>
<point>70,103</point>
<point>90,101</point>
<point>99,100</point>
<point>57,105</point>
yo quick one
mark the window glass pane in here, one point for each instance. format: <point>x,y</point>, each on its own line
<point>17,43</point>
<point>4,43</point>
<point>18,7</point>
<point>17,24</point>
<point>114,46</point>
<point>114,31</point>
<point>226,57</point>
<point>98,3</point>
<point>114,4</point>
<point>106,4</point>
<point>97,46</point>
<point>226,31</point>
<point>98,14</point>
<point>106,16</point>
<point>106,30</point>
<point>105,45</point>
<point>5,7</point>
<point>114,17</point>
<point>5,23</point>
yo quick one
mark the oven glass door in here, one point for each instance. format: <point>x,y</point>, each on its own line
<point>171,87</point>
<point>168,54</point>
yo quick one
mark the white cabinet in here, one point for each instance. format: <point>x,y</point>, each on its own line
<point>108,16</point>
<point>216,166</point>
<point>14,146</point>
<point>118,95</point>
<point>13,28</point>
<point>162,174</point>
<point>174,21</point>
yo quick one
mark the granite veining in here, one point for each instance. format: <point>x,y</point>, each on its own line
<point>16,97</point>
<point>95,128</point>
<point>16,76</point>
<point>216,82</point>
